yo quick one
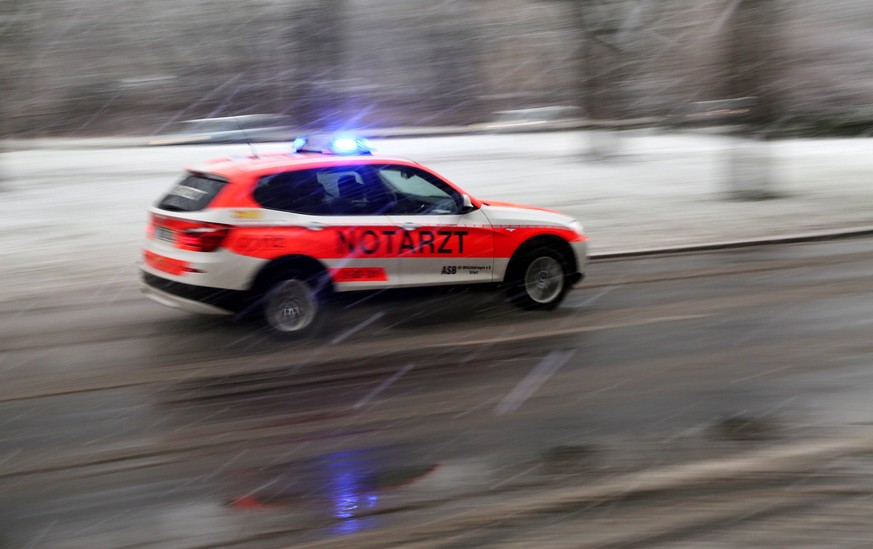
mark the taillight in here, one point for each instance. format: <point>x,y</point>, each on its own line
<point>205,237</point>
<point>150,228</point>
<point>197,236</point>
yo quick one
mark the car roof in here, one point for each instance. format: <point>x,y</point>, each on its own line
<point>231,167</point>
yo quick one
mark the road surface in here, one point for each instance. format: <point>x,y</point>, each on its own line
<point>455,420</point>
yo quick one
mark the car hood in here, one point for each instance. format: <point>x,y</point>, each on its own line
<point>503,213</point>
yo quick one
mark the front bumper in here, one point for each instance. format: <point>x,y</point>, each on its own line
<point>575,279</point>
<point>580,250</point>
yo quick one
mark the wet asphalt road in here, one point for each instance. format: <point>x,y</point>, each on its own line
<point>128,424</point>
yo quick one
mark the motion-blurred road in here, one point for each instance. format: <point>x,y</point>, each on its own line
<point>128,424</point>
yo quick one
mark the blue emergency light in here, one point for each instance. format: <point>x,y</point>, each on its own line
<point>336,144</point>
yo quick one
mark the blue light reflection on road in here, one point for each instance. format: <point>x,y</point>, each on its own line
<point>347,474</point>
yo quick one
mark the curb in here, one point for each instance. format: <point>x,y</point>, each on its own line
<point>127,141</point>
<point>124,142</point>
<point>823,236</point>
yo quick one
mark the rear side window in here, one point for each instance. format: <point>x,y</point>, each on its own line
<point>345,190</point>
<point>298,192</point>
<point>193,193</point>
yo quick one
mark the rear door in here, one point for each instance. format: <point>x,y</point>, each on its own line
<point>330,215</point>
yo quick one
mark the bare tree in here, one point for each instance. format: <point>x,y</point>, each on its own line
<point>753,39</point>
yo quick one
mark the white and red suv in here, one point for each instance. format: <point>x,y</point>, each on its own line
<point>281,233</point>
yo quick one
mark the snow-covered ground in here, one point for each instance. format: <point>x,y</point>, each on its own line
<point>73,218</point>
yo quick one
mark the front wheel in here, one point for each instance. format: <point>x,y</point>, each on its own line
<point>291,308</point>
<point>539,280</point>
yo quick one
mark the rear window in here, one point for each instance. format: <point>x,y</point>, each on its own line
<point>193,193</point>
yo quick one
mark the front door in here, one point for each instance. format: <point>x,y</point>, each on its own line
<point>439,242</point>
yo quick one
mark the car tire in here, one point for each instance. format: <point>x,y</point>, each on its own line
<point>292,308</point>
<point>538,279</point>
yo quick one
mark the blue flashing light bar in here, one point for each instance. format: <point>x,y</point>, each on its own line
<point>340,144</point>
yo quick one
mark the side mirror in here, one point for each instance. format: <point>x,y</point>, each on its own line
<point>467,204</point>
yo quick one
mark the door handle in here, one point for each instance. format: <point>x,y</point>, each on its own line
<point>315,226</point>
<point>409,226</point>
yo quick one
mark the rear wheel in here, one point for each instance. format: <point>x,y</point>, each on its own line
<point>538,279</point>
<point>291,308</point>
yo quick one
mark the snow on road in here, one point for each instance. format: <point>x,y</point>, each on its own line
<point>73,218</point>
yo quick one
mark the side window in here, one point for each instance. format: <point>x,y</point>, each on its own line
<point>418,192</point>
<point>344,190</point>
<point>298,192</point>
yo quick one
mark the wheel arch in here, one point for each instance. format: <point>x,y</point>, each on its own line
<point>279,268</point>
<point>561,246</point>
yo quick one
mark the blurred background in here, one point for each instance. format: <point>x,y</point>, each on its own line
<point>98,67</point>
<point>125,423</point>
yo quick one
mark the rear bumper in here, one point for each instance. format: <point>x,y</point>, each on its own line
<point>188,297</point>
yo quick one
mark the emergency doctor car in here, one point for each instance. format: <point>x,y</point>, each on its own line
<point>280,234</point>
